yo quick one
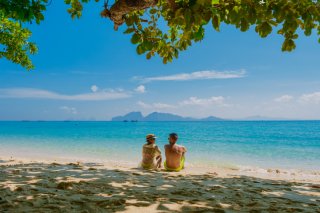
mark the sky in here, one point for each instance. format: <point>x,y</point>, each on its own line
<point>87,71</point>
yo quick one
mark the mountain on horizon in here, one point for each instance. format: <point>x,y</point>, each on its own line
<point>132,116</point>
<point>159,116</point>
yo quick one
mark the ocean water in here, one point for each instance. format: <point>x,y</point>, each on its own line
<point>263,144</point>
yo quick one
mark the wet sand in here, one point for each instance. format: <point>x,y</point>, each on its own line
<point>91,187</point>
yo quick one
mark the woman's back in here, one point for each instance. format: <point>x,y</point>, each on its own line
<point>149,153</point>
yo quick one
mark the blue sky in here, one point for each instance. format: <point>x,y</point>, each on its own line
<point>86,70</point>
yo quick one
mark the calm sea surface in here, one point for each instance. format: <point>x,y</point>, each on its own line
<point>265,144</point>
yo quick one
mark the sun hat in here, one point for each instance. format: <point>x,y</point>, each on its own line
<point>150,136</point>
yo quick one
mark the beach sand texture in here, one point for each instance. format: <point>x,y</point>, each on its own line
<point>45,187</point>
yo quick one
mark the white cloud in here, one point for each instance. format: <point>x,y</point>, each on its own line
<point>70,110</point>
<point>205,102</point>
<point>45,94</point>
<point>199,75</point>
<point>284,99</point>
<point>313,98</point>
<point>144,105</point>
<point>155,105</point>
<point>192,101</point>
<point>163,106</point>
<point>141,89</point>
<point>94,88</point>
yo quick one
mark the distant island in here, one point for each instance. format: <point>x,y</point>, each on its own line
<point>159,116</point>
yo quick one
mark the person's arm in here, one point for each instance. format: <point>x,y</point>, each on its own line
<point>183,149</point>
<point>158,150</point>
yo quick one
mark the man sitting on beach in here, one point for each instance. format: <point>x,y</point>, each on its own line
<point>151,154</point>
<point>174,154</point>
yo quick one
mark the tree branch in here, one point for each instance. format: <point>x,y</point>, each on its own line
<point>122,7</point>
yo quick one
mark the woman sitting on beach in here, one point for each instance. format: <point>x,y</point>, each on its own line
<point>151,154</point>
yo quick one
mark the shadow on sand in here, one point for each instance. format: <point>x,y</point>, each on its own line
<point>91,188</point>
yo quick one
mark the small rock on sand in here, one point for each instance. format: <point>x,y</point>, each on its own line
<point>64,185</point>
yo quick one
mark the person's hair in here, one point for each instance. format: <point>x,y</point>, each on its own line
<point>173,135</point>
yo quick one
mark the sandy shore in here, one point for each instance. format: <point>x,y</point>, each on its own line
<point>89,187</point>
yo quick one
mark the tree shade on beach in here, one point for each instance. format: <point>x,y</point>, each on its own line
<point>185,22</point>
<point>43,187</point>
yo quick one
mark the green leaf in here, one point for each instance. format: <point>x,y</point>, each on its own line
<point>129,30</point>
<point>148,56</point>
<point>153,11</point>
<point>213,2</point>
<point>135,38</point>
<point>140,49</point>
<point>216,22</point>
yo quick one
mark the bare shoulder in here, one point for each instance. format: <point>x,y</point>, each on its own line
<point>157,148</point>
<point>182,148</point>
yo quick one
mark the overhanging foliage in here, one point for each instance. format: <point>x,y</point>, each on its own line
<point>185,22</point>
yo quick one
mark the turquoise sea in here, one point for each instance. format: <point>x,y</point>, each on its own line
<point>263,144</point>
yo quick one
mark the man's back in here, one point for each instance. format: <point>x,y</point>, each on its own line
<point>174,153</point>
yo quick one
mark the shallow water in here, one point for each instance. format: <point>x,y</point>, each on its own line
<point>264,144</point>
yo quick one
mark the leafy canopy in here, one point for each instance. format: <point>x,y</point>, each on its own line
<point>14,38</point>
<point>185,22</point>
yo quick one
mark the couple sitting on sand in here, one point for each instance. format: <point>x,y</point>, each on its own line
<point>151,154</point>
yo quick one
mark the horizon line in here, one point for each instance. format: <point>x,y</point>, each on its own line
<point>222,120</point>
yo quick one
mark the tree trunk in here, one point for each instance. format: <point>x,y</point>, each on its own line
<point>122,7</point>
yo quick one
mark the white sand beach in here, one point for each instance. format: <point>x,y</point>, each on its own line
<point>33,186</point>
